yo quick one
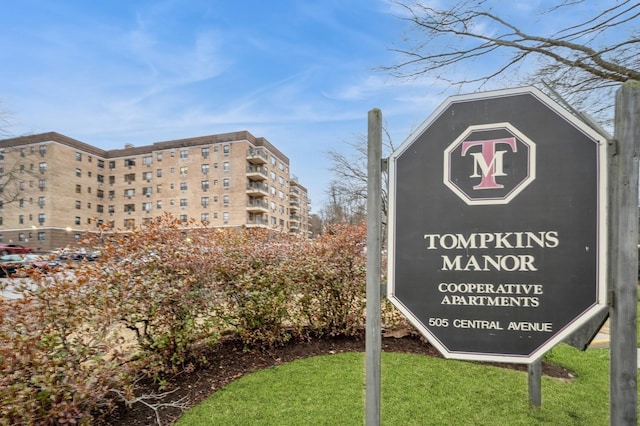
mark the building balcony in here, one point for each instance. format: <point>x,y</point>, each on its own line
<point>257,205</point>
<point>257,222</point>
<point>256,173</point>
<point>257,156</point>
<point>257,188</point>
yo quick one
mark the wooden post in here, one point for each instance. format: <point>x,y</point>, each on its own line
<point>374,231</point>
<point>623,279</point>
<point>535,383</point>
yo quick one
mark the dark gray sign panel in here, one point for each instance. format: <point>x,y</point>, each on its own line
<point>497,226</point>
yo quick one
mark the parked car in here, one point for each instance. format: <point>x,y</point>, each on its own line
<point>14,249</point>
<point>66,254</point>
<point>10,264</point>
<point>40,262</point>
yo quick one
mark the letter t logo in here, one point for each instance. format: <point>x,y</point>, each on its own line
<point>488,160</point>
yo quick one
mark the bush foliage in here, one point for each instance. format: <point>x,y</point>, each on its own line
<point>79,338</point>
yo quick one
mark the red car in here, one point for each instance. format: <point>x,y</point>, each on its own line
<point>14,249</point>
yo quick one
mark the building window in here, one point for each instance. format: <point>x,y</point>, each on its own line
<point>129,162</point>
<point>159,188</point>
<point>226,149</point>
<point>159,172</point>
<point>43,149</point>
<point>183,202</point>
<point>78,156</point>
<point>129,192</point>
<point>21,237</point>
<point>21,202</point>
<point>130,177</point>
<point>147,206</point>
<point>205,202</point>
<point>41,218</point>
<point>78,189</point>
<point>41,201</point>
<point>112,165</point>
<point>128,208</point>
<point>205,152</point>
<point>100,178</point>
<point>77,220</point>
<point>42,184</point>
<point>112,180</point>
<point>147,161</point>
<point>99,208</point>
<point>111,209</point>
<point>43,167</point>
<point>225,166</point>
<point>225,201</point>
<point>225,183</point>
<point>205,168</point>
<point>159,156</point>
<point>225,217</point>
<point>183,218</point>
<point>184,153</point>
<point>147,176</point>
<point>41,236</point>
<point>159,204</point>
<point>147,190</point>
<point>21,219</point>
<point>204,185</point>
<point>129,223</point>
<point>183,186</point>
<point>101,164</point>
<point>183,171</point>
<point>100,193</point>
<point>204,217</point>
<point>78,173</point>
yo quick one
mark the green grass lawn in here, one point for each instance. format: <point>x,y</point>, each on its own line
<point>416,390</point>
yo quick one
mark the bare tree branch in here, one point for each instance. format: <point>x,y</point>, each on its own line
<point>348,191</point>
<point>587,58</point>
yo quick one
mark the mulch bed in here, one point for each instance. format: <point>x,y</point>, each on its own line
<point>230,360</point>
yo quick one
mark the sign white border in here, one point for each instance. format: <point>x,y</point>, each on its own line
<point>602,193</point>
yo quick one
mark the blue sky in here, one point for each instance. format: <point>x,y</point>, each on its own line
<point>302,74</point>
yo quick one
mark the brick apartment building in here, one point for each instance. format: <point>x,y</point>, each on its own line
<point>55,189</point>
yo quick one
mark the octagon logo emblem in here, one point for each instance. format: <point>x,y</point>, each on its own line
<point>489,164</point>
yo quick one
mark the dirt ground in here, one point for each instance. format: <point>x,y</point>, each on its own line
<point>229,361</point>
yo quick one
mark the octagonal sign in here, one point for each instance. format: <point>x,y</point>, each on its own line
<point>489,164</point>
<point>497,226</point>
